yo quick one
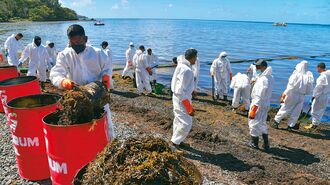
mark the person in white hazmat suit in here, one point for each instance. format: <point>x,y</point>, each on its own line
<point>12,45</point>
<point>241,85</point>
<point>221,70</point>
<point>51,50</point>
<point>142,71</point>
<point>153,63</point>
<point>261,96</point>
<point>300,84</point>
<point>39,59</point>
<point>252,71</point>
<point>196,69</point>
<point>106,50</point>
<point>320,96</point>
<point>182,86</point>
<point>80,64</point>
<point>129,54</point>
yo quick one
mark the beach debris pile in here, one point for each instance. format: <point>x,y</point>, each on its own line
<point>144,160</point>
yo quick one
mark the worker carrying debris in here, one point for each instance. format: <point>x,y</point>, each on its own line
<point>80,64</point>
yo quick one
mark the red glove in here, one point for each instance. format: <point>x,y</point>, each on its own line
<point>67,84</point>
<point>149,70</point>
<point>253,111</point>
<point>231,76</point>
<point>283,98</point>
<point>106,81</point>
<point>189,108</point>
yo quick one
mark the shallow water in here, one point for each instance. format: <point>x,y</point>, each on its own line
<point>169,38</point>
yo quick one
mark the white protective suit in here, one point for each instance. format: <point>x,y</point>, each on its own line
<point>12,45</point>
<point>141,74</point>
<point>241,85</point>
<point>108,53</point>
<point>182,87</point>
<point>153,61</point>
<point>52,55</point>
<point>83,68</point>
<point>39,59</point>
<point>261,96</point>
<point>221,69</point>
<point>196,69</point>
<point>320,94</point>
<point>130,52</point>
<point>254,74</point>
<point>300,84</point>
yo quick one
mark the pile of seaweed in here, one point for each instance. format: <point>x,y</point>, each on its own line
<point>136,161</point>
<point>81,104</point>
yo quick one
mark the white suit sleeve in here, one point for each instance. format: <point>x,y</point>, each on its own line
<point>127,55</point>
<point>7,43</point>
<point>183,83</point>
<point>213,67</point>
<point>310,83</point>
<point>232,83</point>
<point>319,88</point>
<point>60,71</point>
<point>25,54</point>
<point>291,84</point>
<point>228,66</point>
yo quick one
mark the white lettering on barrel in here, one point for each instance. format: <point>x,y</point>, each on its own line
<point>57,167</point>
<point>26,141</point>
<point>12,121</point>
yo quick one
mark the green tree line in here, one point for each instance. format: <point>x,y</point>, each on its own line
<point>35,10</point>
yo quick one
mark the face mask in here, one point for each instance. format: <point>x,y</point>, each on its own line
<point>37,42</point>
<point>78,48</point>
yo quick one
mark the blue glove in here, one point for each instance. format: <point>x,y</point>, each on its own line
<point>6,53</point>
<point>311,101</point>
<point>20,64</point>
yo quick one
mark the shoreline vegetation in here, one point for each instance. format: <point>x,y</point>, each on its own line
<point>36,10</point>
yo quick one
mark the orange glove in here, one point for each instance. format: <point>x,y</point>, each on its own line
<point>67,84</point>
<point>130,63</point>
<point>106,81</point>
<point>253,111</point>
<point>283,98</point>
<point>231,76</point>
<point>149,70</point>
<point>189,108</point>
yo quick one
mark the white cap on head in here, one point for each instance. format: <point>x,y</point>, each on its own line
<point>48,42</point>
<point>131,44</point>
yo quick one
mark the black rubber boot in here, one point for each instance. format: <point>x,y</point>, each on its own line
<point>225,98</point>
<point>266,142</point>
<point>275,125</point>
<point>254,143</point>
<point>296,126</point>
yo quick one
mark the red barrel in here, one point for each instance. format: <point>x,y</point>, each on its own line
<point>25,122</point>
<point>69,148</point>
<point>17,87</point>
<point>7,72</point>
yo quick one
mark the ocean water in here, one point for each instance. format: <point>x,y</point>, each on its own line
<point>169,38</point>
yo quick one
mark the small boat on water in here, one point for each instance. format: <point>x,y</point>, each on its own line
<point>99,23</point>
<point>279,24</point>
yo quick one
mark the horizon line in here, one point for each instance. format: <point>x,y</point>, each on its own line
<point>224,20</point>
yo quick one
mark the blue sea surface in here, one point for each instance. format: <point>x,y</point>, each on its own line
<point>169,38</point>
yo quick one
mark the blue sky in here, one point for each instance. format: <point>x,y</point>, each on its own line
<point>298,11</point>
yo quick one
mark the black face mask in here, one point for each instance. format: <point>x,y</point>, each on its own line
<point>37,42</point>
<point>78,48</point>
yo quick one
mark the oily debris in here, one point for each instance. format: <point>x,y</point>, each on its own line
<point>136,161</point>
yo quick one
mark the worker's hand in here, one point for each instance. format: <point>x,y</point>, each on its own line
<point>130,63</point>
<point>253,112</point>
<point>310,103</point>
<point>20,63</point>
<point>231,76</point>
<point>67,84</point>
<point>212,73</point>
<point>149,70</point>
<point>186,103</point>
<point>282,98</point>
<point>6,53</point>
<point>106,81</point>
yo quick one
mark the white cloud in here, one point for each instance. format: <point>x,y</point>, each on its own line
<point>115,7</point>
<point>170,5</point>
<point>121,4</point>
